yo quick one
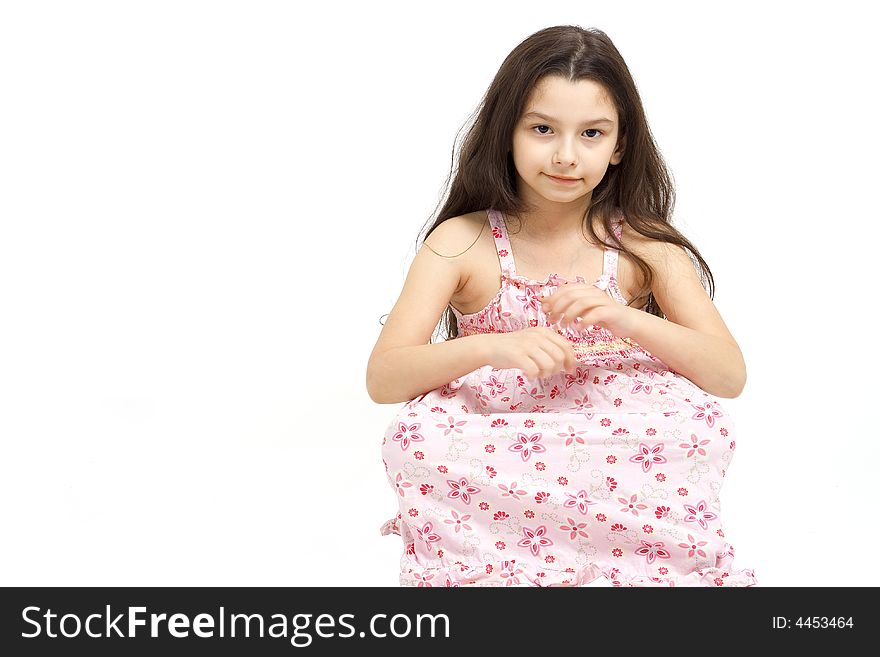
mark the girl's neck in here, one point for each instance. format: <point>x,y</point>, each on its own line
<point>549,227</point>
<point>555,222</point>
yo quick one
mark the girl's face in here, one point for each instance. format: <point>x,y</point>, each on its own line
<point>570,140</point>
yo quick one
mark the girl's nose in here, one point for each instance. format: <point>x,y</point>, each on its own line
<point>564,157</point>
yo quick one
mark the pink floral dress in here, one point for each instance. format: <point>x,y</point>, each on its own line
<point>614,471</point>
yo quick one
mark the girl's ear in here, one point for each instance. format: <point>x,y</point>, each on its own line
<point>617,156</point>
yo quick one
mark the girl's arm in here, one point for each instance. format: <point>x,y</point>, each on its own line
<point>695,341</point>
<point>713,363</point>
<point>402,366</point>
<point>404,373</point>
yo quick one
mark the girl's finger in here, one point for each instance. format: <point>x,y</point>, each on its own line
<point>572,310</point>
<point>575,322</point>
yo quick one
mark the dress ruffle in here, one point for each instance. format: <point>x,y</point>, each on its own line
<point>504,572</point>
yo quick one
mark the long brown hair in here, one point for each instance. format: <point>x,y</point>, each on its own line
<point>639,186</point>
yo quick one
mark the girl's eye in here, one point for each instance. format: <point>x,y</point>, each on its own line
<point>587,130</point>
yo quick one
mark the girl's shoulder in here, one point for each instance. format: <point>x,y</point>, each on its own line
<point>635,241</point>
<point>653,251</point>
<point>453,237</point>
<point>473,223</point>
<point>664,259</point>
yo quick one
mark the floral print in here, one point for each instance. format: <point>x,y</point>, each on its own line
<point>611,471</point>
<point>648,456</point>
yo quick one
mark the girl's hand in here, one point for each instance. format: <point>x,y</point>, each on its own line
<point>580,305</point>
<point>538,351</point>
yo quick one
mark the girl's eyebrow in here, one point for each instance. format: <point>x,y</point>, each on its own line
<point>549,118</point>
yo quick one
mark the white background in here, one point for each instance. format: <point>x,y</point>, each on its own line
<point>206,207</point>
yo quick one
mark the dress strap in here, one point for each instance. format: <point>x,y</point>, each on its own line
<point>502,242</point>
<point>608,279</point>
<point>610,264</point>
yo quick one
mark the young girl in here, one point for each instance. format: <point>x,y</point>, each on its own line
<point>569,427</point>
